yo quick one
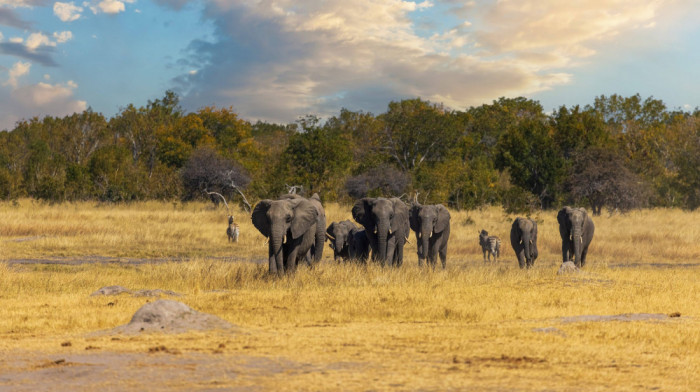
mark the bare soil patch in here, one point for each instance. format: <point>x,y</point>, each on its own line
<point>160,370</point>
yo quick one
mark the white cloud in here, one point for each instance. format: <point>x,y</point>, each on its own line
<point>111,6</point>
<point>292,58</point>
<point>318,56</point>
<point>17,70</point>
<point>67,12</point>
<point>36,40</point>
<point>63,36</point>
<point>25,101</point>
<point>107,6</point>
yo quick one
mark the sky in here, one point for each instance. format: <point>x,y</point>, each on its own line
<point>278,60</point>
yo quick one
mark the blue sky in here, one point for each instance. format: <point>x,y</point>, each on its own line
<point>276,60</point>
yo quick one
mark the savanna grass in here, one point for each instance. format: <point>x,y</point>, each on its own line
<point>475,325</point>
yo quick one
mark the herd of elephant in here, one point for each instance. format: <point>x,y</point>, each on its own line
<point>296,230</point>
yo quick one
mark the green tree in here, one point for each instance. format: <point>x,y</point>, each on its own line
<point>417,132</point>
<point>317,158</point>
<point>533,159</point>
<point>577,129</point>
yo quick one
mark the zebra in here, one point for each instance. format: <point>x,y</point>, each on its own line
<point>490,244</point>
<point>232,230</point>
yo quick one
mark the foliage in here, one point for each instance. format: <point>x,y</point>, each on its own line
<point>508,151</point>
<point>533,159</point>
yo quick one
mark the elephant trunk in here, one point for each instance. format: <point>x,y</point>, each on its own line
<point>527,244</point>
<point>577,239</point>
<point>425,232</point>
<point>276,249</point>
<point>382,236</point>
<point>338,245</point>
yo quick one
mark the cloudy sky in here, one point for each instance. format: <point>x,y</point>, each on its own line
<point>277,60</point>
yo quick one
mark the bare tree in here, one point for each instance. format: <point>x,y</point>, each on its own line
<point>600,177</point>
<point>208,173</point>
<point>384,180</point>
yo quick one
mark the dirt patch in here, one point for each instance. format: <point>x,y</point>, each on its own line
<point>170,316</point>
<point>656,265</point>
<point>503,360</point>
<point>550,330</point>
<point>157,371</point>
<point>617,317</point>
<point>79,260</point>
<point>116,290</point>
<point>25,239</point>
<point>111,290</point>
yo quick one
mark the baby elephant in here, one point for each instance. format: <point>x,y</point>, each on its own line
<point>490,244</point>
<point>523,238</point>
<point>358,245</point>
<point>232,230</point>
<point>339,235</point>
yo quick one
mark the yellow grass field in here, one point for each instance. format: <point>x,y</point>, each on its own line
<point>474,326</point>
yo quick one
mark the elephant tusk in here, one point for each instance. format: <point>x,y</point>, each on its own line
<point>530,242</point>
<point>407,241</point>
<point>330,237</point>
<point>267,239</point>
<point>390,231</point>
<point>581,239</point>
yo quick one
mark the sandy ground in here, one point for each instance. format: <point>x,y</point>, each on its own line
<point>157,371</point>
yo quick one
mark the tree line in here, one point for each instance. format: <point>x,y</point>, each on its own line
<point>616,153</point>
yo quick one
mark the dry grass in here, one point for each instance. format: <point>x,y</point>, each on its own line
<point>475,325</point>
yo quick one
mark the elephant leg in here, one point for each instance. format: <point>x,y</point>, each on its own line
<point>291,259</point>
<point>273,264</point>
<point>391,250</point>
<point>399,254</point>
<point>584,252</point>
<point>443,255</point>
<point>520,252</point>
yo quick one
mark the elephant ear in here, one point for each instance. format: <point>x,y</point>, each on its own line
<point>361,212</point>
<point>259,217</point>
<point>331,229</point>
<point>413,217</point>
<point>443,219</point>
<point>400,221</point>
<point>305,215</point>
<point>562,216</point>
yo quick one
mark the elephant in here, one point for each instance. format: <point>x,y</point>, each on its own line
<point>523,238</point>
<point>316,251</point>
<point>386,225</point>
<point>339,234</point>
<point>431,223</point>
<point>358,245</point>
<point>290,226</point>
<point>576,229</point>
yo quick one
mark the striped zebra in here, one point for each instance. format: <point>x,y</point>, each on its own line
<point>490,244</point>
<point>232,230</point>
